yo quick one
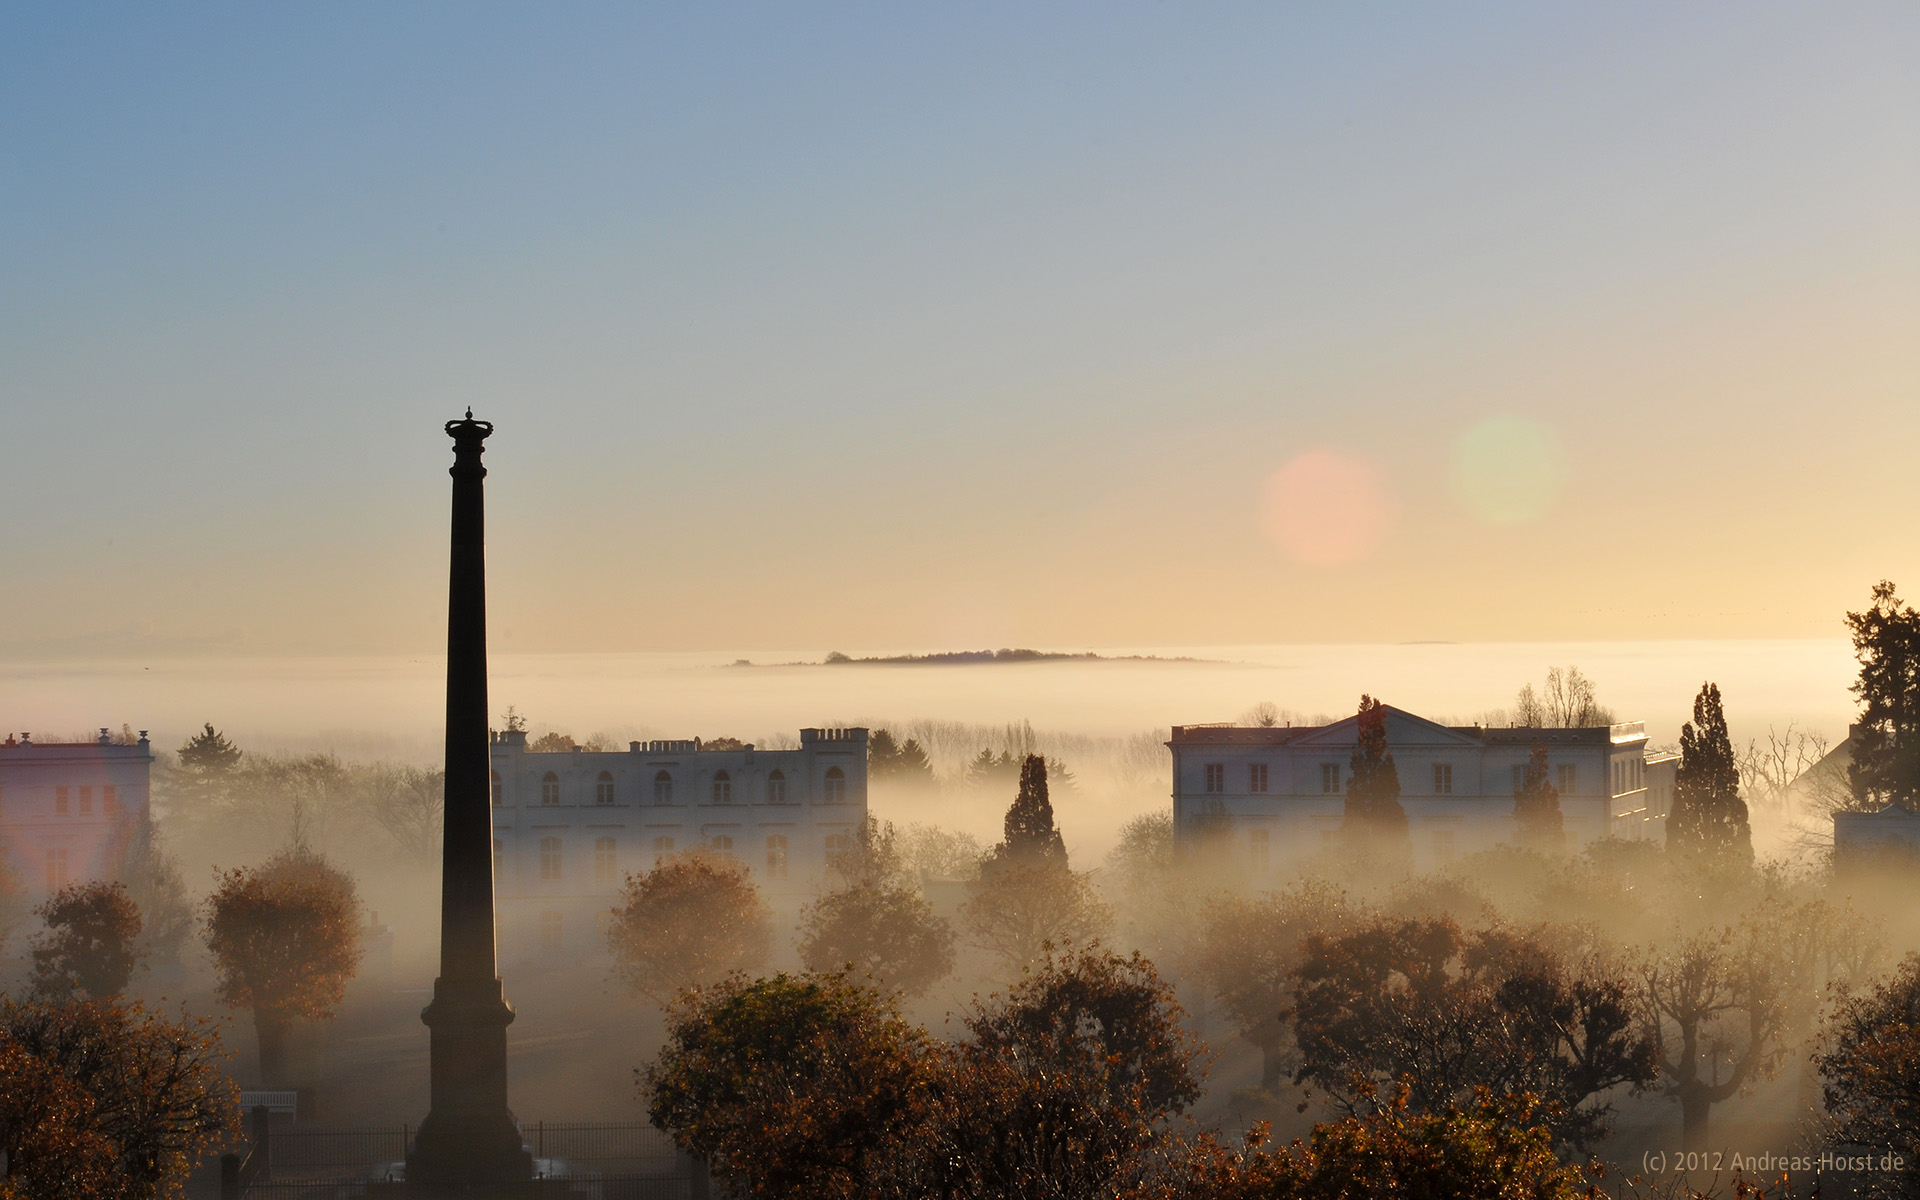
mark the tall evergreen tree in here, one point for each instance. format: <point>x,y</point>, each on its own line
<point>1709,819</point>
<point>1886,741</point>
<point>1373,812</point>
<point>206,767</point>
<point>1030,837</point>
<point>1536,805</point>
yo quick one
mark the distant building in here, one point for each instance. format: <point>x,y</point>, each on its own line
<point>1279,792</point>
<point>570,826</point>
<point>70,811</point>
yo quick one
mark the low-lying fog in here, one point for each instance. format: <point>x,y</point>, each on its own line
<point>1092,715</point>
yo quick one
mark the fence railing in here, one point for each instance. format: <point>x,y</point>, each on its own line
<point>626,1160</point>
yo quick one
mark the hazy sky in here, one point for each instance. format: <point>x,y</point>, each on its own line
<point>922,325</point>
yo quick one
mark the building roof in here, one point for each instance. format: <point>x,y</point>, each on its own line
<point>1405,728</point>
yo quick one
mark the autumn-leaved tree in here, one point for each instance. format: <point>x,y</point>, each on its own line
<point>689,921</point>
<point>1708,822</point>
<point>1871,1071</point>
<point>1886,740</point>
<point>794,1086</point>
<point>1248,949</point>
<point>89,948</point>
<point>1027,897</point>
<point>1484,1147</point>
<point>886,933</point>
<point>814,1086</point>
<point>104,1099</point>
<point>1374,821</point>
<point>1536,805</point>
<point>285,938</point>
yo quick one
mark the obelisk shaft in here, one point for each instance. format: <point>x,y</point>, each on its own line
<point>468,1145</point>
<point>466,881</point>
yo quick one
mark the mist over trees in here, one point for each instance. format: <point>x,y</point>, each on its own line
<point>1709,819</point>
<point>1886,739</point>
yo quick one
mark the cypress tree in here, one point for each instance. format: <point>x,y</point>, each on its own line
<point>1536,805</point>
<point>1709,819</point>
<point>1030,838</point>
<point>1373,812</point>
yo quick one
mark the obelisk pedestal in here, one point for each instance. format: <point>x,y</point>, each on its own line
<point>467,1145</point>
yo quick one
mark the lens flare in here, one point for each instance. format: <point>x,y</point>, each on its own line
<point>1325,508</point>
<point>1508,470</point>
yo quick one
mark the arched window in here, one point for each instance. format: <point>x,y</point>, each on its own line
<point>604,866</point>
<point>722,788</point>
<point>776,787</point>
<point>549,788</point>
<point>603,790</point>
<point>835,791</point>
<point>663,788</point>
<point>549,858</point>
<point>497,789</point>
<point>721,844</point>
<point>777,856</point>
<point>662,846</point>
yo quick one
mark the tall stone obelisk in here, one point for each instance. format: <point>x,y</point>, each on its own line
<point>467,1146</point>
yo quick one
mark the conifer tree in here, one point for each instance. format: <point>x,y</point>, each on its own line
<point>1709,819</point>
<point>207,763</point>
<point>1886,741</point>
<point>1536,805</point>
<point>1030,837</point>
<point>1373,812</point>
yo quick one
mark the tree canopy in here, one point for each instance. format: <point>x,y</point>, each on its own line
<point>104,1099</point>
<point>1709,819</point>
<point>285,938</point>
<point>1886,740</point>
<point>90,945</point>
<point>886,933</point>
<point>689,921</point>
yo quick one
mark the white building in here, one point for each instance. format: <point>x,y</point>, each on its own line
<point>569,827</point>
<point>70,811</point>
<point>1279,792</point>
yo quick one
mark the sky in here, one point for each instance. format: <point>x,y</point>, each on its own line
<point>895,327</point>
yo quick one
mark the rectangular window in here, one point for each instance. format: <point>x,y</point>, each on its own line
<point>1257,777</point>
<point>1519,777</point>
<point>776,788</point>
<point>721,844</point>
<point>604,866</point>
<point>1216,777</point>
<point>109,800</point>
<point>86,801</point>
<point>1259,848</point>
<point>550,859</point>
<point>662,846</point>
<point>56,869</point>
<point>60,800</point>
<point>603,791</point>
<point>1330,778</point>
<point>777,856</point>
<point>1443,779</point>
<point>1568,775</point>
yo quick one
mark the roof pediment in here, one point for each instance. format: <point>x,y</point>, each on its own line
<point>1403,729</point>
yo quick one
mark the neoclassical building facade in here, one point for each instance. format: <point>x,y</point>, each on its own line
<point>71,811</point>
<point>570,826</point>
<point>1279,792</point>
